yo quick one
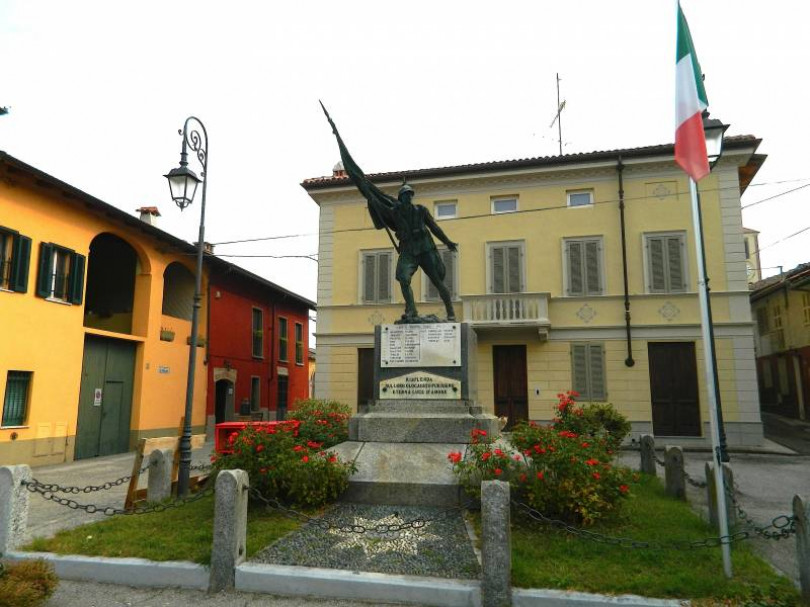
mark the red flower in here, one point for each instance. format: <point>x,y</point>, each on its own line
<point>333,459</point>
<point>262,470</point>
<point>522,478</point>
<point>498,452</point>
<point>259,448</point>
<point>517,457</point>
<point>573,393</point>
<point>305,459</point>
<point>540,475</point>
<point>596,475</point>
<point>298,448</point>
<point>498,471</point>
<point>314,445</point>
<point>454,457</point>
<point>486,455</point>
<point>592,462</point>
<point>624,488</point>
<point>585,445</point>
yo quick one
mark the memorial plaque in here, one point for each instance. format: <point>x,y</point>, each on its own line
<point>419,385</point>
<point>428,345</point>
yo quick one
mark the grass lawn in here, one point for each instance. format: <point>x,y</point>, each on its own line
<point>543,558</point>
<point>178,534</point>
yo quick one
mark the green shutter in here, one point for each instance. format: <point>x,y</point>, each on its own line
<point>593,277</point>
<point>596,372</point>
<point>677,284</point>
<point>498,269</point>
<point>16,398</point>
<point>20,259</point>
<point>369,273</point>
<point>76,278</point>
<point>575,263</point>
<point>579,369</point>
<point>513,270</point>
<point>383,277</point>
<point>45,269</point>
<point>655,260</point>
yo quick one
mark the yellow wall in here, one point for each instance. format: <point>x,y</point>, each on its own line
<point>48,337</point>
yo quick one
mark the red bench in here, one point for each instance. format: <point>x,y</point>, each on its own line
<point>224,430</point>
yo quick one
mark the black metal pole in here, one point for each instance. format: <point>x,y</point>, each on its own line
<point>629,362</point>
<point>201,148</point>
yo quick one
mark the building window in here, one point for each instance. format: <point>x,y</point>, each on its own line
<point>582,270</point>
<point>665,255</point>
<point>588,371</point>
<point>445,210</point>
<point>299,343</point>
<point>778,339</point>
<point>504,205</point>
<point>283,391</point>
<point>762,320</point>
<point>15,253</point>
<point>282,340</point>
<point>505,267</point>
<point>258,333</point>
<point>376,276</point>
<point>580,198</point>
<point>15,403</point>
<point>255,392</point>
<point>450,259</point>
<point>806,308</point>
<point>61,274</point>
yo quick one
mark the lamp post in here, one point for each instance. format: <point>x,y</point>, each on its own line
<point>183,184</point>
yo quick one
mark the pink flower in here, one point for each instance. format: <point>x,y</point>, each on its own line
<point>517,457</point>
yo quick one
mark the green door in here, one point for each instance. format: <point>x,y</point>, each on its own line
<point>105,398</point>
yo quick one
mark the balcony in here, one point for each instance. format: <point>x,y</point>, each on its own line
<point>508,311</point>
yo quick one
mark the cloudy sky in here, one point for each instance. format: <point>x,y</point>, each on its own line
<point>97,91</point>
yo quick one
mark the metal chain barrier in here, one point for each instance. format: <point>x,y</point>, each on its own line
<point>324,525</point>
<point>784,525</point>
<point>47,494</point>
<point>780,527</point>
<point>660,462</point>
<point>693,482</point>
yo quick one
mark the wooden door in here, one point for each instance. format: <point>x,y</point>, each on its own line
<point>365,376</point>
<point>674,389</point>
<point>511,390</point>
<point>105,397</point>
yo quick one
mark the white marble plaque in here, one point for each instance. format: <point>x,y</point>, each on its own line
<point>429,345</point>
<point>419,385</point>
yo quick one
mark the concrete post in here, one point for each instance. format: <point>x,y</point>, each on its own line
<point>648,454</point>
<point>159,487</point>
<point>13,506</point>
<point>674,476</point>
<point>496,544</point>
<point>711,495</point>
<point>230,528</point>
<point>801,510</point>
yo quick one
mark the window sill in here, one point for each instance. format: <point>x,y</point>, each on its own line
<point>58,301</point>
<point>258,357</point>
<point>14,427</point>
<point>5,290</point>
<point>581,206</point>
<point>299,364</point>
<point>286,362</point>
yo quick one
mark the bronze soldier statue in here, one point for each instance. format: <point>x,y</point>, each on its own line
<point>412,225</point>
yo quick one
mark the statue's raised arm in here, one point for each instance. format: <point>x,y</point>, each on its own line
<point>379,203</point>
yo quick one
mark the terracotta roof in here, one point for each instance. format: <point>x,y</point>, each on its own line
<point>734,142</point>
<point>792,278</point>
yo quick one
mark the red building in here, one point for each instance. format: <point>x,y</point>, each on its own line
<point>258,332</point>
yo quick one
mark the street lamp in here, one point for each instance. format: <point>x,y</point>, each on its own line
<point>183,184</point>
<point>714,131</point>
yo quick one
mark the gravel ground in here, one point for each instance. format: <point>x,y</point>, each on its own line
<point>441,548</point>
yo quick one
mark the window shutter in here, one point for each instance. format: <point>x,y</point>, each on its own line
<point>593,278</point>
<point>369,273</point>
<point>677,283</point>
<point>498,269</point>
<point>450,274</point>
<point>655,249</point>
<point>20,257</point>
<point>574,255</point>
<point>596,364</point>
<point>45,269</point>
<point>76,278</point>
<point>514,271</point>
<point>579,369</point>
<point>384,277</point>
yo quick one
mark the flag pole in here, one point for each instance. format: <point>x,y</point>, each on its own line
<point>708,357</point>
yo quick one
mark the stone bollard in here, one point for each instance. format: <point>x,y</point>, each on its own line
<point>711,495</point>
<point>13,506</point>
<point>801,510</point>
<point>230,528</point>
<point>159,487</point>
<point>496,545</point>
<point>648,454</point>
<point>674,476</point>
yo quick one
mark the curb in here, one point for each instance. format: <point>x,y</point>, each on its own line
<point>341,584</point>
<point>127,571</point>
<point>567,598</point>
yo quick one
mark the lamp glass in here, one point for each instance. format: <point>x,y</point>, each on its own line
<point>182,185</point>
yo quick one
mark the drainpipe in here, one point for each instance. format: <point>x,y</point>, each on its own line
<point>629,360</point>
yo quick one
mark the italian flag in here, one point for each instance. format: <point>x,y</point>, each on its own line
<point>690,101</point>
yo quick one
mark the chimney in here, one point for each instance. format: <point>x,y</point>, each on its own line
<point>149,215</point>
<point>338,170</point>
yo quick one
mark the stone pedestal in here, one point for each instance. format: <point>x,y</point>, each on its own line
<point>425,388</point>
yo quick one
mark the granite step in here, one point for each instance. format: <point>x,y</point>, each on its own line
<point>402,427</point>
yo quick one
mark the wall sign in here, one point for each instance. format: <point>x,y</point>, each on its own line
<point>419,385</point>
<point>97,397</point>
<point>432,345</point>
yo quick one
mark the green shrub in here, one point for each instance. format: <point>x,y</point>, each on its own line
<point>596,420</point>
<point>27,584</point>
<point>322,421</point>
<point>483,462</point>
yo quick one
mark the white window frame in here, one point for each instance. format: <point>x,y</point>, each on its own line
<point>58,255</point>
<point>361,276</point>
<point>684,261</point>
<point>587,205</point>
<point>496,199</point>
<point>454,292</point>
<point>602,271</point>
<point>445,203</point>
<point>487,257</point>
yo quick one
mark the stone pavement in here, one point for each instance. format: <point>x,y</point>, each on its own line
<point>792,433</point>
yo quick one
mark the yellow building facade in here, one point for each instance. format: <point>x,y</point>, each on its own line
<point>576,272</point>
<point>95,307</point>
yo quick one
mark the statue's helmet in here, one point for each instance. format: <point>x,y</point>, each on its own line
<point>405,188</point>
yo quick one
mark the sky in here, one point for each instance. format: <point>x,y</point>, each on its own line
<point>97,91</point>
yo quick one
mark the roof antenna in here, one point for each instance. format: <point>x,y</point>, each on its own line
<point>558,115</point>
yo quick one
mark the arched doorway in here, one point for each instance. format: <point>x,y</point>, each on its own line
<point>223,401</point>
<point>111,270</point>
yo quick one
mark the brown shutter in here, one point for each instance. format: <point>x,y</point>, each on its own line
<point>655,260</point>
<point>574,257</point>
<point>677,284</point>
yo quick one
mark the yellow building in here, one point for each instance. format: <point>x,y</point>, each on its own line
<point>576,272</point>
<point>95,308</point>
<point>781,306</point>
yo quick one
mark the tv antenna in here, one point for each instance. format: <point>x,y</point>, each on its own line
<point>558,115</point>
